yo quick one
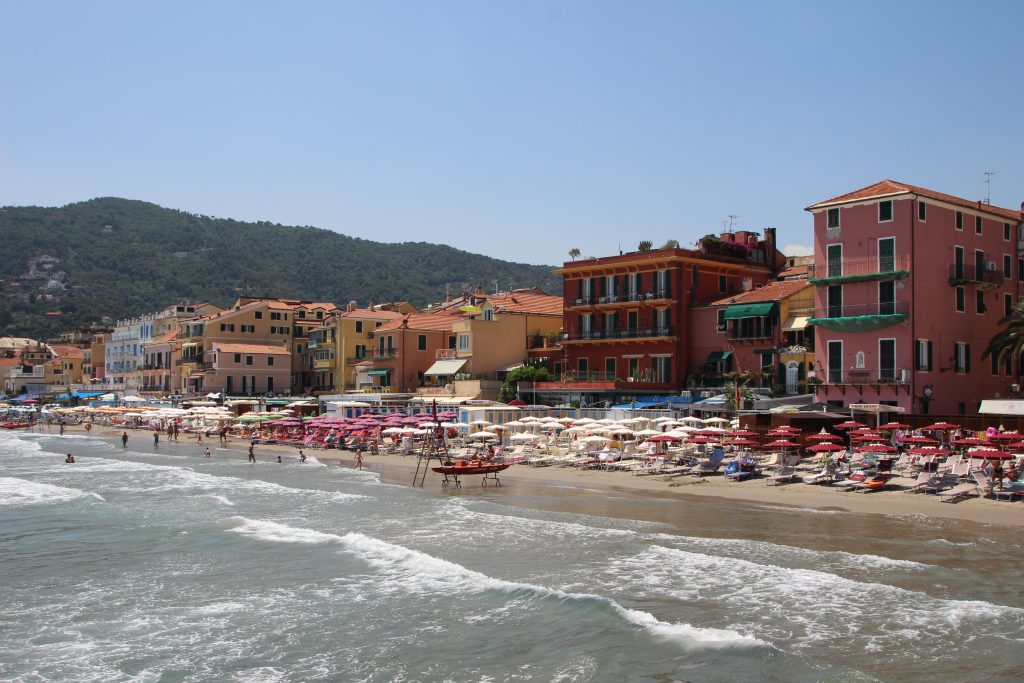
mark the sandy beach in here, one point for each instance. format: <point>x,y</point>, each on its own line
<point>399,470</point>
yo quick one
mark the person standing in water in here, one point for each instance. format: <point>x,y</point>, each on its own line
<point>206,453</point>
<point>359,459</point>
<point>279,458</point>
<point>156,439</point>
<point>70,459</point>
<point>302,456</point>
<point>252,454</point>
<point>124,440</point>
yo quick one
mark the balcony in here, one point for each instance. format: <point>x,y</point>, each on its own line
<point>386,354</point>
<point>741,335</point>
<point>859,270</point>
<point>619,334</point>
<point>969,274</point>
<point>599,381</point>
<point>323,364</point>
<point>188,360</point>
<point>627,297</point>
<point>859,317</point>
<point>858,378</point>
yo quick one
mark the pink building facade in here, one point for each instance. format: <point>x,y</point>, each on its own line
<point>910,285</point>
<point>247,369</point>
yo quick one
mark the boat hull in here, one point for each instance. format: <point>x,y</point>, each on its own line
<point>470,469</point>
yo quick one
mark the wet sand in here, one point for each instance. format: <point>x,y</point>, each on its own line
<point>399,469</point>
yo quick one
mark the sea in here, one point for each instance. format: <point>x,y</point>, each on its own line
<point>156,564</point>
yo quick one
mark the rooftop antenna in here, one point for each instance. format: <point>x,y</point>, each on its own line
<point>730,223</point>
<point>988,186</point>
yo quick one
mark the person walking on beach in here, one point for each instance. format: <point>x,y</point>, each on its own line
<point>124,440</point>
<point>359,459</point>
<point>206,453</point>
<point>252,454</point>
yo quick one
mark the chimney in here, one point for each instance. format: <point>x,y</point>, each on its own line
<point>479,291</point>
<point>769,238</point>
<point>351,306</point>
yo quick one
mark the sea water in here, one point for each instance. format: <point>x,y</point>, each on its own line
<point>157,564</point>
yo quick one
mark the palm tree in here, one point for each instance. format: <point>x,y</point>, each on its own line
<point>1009,341</point>
<point>574,252</point>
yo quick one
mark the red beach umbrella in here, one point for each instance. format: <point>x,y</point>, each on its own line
<point>918,440</point>
<point>851,424</point>
<point>781,443</point>
<point>665,437</point>
<point>878,448</point>
<point>699,439</point>
<point>928,451</point>
<point>742,442</point>
<point>1016,446</point>
<point>940,427</point>
<point>894,425</point>
<point>1005,436</point>
<point>991,455</point>
<point>745,432</point>
<point>825,448</point>
<point>969,441</point>
<point>824,437</point>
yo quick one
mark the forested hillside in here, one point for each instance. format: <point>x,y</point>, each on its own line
<point>122,257</point>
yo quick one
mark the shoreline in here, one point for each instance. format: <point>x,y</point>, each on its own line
<point>750,494</point>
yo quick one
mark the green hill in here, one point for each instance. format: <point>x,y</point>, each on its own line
<point>123,257</point>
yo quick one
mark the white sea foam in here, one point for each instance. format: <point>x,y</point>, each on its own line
<point>222,499</point>
<point>17,492</point>
<point>417,572</point>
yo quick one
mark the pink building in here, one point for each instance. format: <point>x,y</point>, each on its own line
<point>245,369</point>
<point>910,285</point>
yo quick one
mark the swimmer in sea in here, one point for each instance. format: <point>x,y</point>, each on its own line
<point>70,459</point>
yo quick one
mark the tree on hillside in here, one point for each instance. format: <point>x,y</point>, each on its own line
<point>645,245</point>
<point>573,253</point>
<point>1009,341</point>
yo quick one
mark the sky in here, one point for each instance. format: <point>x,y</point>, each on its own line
<point>515,129</point>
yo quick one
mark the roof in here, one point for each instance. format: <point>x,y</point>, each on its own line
<point>419,321</point>
<point>887,188</point>
<point>366,313</point>
<point>164,338</point>
<point>63,351</point>
<point>773,291</point>
<point>252,348</point>
<point>527,301</point>
<point>10,361</point>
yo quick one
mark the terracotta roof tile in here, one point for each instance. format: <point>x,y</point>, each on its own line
<point>892,187</point>
<point>252,348</point>
<point>773,291</point>
<point>64,351</point>
<point>419,321</point>
<point>531,301</point>
<point>367,314</point>
<point>164,338</point>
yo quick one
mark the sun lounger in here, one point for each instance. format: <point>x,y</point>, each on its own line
<point>825,476</point>
<point>871,484</point>
<point>958,493</point>
<point>941,482</point>
<point>784,475</point>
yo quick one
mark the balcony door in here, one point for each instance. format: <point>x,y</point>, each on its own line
<point>958,262</point>
<point>887,255</point>
<point>979,265</point>
<point>835,362</point>
<point>886,298</point>
<point>634,368</point>
<point>835,301</point>
<point>633,321</point>
<point>887,359</point>
<point>835,260</point>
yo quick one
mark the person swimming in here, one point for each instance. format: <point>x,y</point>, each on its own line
<point>70,459</point>
<point>279,458</point>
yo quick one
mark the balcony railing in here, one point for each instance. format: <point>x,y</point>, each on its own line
<point>969,273</point>
<point>851,310</point>
<point>619,333</point>
<point>645,377</point>
<point>625,297</point>
<point>740,335</point>
<point>850,270</point>
<point>188,360</point>
<point>384,355</point>
<point>857,376</point>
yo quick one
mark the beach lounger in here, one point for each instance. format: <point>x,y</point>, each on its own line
<point>826,476</point>
<point>871,484</point>
<point>958,493</point>
<point>785,475</point>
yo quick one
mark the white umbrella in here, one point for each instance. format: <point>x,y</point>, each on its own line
<point>594,438</point>
<point>525,436</point>
<point>479,422</point>
<point>529,418</point>
<point>647,432</point>
<point>715,421</point>
<point>693,419</point>
<point>515,423</point>
<point>577,430</point>
<point>482,435</point>
<point>583,421</point>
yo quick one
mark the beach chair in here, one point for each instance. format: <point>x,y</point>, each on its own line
<point>826,476</point>
<point>709,466</point>
<point>871,484</point>
<point>958,493</point>
<point>941,482</point>
<point>785,475</point>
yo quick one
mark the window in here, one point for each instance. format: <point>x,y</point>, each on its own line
<point>1007,266</point>
<point>924,355</point>
<point>662,366</point>
<point>979,302</point>
<point>359,327</point>
<point>298,348</point>
<point>463,341</point>
<point>721,320</point>
<point>251,329</point>
<point>238,358</point>
<point>887,255</point>
<point>922,211</point>
<point>887,359</point>
<point>977,225</point>
<point>885,211</point>
<point>270,384</point>
<point>582,366</point>
<point>1007,304</point>
<point>319,315</point>
<point>609,367</point>
<point>1008,366</point>
<point>958,262</point>
<point>832,218</point>
<point>994,358</point>
<point>227,327</point>
<point>258,315</point>
<point>1006,231</point>
<point>887,298</point>
<point>962,357</point>
<point>835,301</point>
<point>959,220</point>
<point>960,303</point>
<point>275,315</point>
<point>270,360</point>
<point>451,341</point>
<point>360,350</point>
<point>722,284</point>
<point>835,362</point>
<point>1020,269</point>
<point>488,314</point>
<point>302,314</point>
<point>835,260</point>
<point>421,342</point>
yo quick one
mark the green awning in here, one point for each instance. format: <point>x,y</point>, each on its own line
<point>858,323</point>
<point>738,311</point>
<point>718,356</point>
<point>378,372</point>
<point>860,277</point>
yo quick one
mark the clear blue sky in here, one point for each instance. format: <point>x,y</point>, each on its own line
<point>518,129</point>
